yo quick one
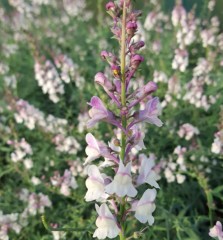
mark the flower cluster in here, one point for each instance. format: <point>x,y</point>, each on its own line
<point>32,117</point>
<point>50,75</point>
<point>174,170</point>
<point>66,144</point>
<point>22,152</point>
<point>120,189</point>
<point>8,222</point>
<point>187,131</point>
<point>66,182</point>
<point>36,203</point>
<point>217,145</point>
<point>49,80</point>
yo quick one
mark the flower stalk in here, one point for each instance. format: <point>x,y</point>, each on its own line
<point>119,191</point>
<point>123,82</point>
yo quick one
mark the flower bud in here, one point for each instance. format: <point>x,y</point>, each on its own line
<point>104,54</point>
<point>150,87</point>
<point>139,45</point>
<point>110,6</point>
<point>136,60</point>
<point>136,46</point>
<point>101,79</point>
<point>131,27</point>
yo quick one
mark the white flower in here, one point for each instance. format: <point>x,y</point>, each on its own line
<point>216,231</point>
<point>145,207</point>
<point>106,223</point>
<point>122,183</point>
<point>216,146</point>
<point>146,174</point>
<point>95,184</point>
<point>95,149</point>
<point>180,178</point>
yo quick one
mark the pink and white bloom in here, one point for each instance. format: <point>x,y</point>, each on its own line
<point>99,112</point>
<point>122,183</point>
<point>187,131</point>
<point>216,231</point>
<point>145,207</point>
<point>95,149</point>
<point>146,172</point>
<point>106,223</point>
<point>149,114</point>
<point>95,184</point>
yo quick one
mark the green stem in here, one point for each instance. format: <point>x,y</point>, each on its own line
<point>122,237</point>
<point>123,101</point>
<point>123,82</point>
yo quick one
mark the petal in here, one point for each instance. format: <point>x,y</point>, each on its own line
<point>151,179</point>
<point>91,141</point>
<point>97,103</point>
<point>154,120</point>
<point>148,196</point>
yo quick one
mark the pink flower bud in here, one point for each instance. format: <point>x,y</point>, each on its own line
<point>136,60</point>
<point>131,27</point>
<point>150,87</point>
<point>104,55</point>
<point>139,45</point>
<point>110,6</point>
<point>101,79</point>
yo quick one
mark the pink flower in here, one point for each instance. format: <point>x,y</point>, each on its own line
<point>101,79</point>
<point>143,92</point>
<point>106,223</point>
<point>216,231</point>
<point>122,183</point>
<point>99,112</point>
<point>95,184</point>
<point>95,149</point>
<point>145,207</point>
<point>149,114</point>
<point>146,173</point>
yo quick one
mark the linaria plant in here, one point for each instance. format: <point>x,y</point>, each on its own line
<point>117,194</point>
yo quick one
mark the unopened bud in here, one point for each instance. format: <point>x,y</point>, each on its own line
<point>150,87</point>
<point>110,6</point>
<point>104,55</point>
<point>136,60</point>
<point>101,79</point>
<point>124,111</point>
<point>131,27</point>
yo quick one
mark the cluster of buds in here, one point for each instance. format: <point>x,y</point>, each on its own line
<point>118,191</point>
